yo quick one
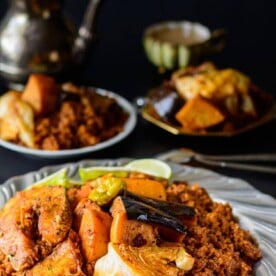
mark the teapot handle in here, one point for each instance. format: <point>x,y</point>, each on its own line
<point>85,33</point>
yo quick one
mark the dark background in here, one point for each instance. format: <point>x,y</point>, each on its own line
<point>117,59</point>
<point>250,25</point>
<point>117,62</point>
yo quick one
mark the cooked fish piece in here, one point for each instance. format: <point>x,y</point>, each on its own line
<point>126,260</point>
<point>5,265</point>
<point>64,260</point>
<point>76,194</point>
<point>54,212</point>
<point>32,223</point>
<point>16,234</point>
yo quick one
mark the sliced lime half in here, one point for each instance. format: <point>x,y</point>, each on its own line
<point>58,178</point>
<point>95,172</point>
<point>150,166</point>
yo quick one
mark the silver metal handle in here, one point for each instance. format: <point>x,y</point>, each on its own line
<point>139,103</point>
<point>259,157</point>
<point>186,155</point>
<point>247,167</point>
<point>86,32</point>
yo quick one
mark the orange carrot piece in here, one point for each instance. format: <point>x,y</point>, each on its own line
<point>146,187</point>
<point>94,233</point>
<point>118,227</point>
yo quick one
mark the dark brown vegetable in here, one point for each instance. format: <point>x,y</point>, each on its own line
<point>146,213</point>
<point>171,208</point>
<point>166,102</point>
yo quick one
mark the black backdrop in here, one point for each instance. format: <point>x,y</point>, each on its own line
<point>117,59</point>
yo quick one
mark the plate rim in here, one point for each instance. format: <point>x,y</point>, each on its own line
<point>265,118</point>
<point>248,204</point>
<point>128,128</point>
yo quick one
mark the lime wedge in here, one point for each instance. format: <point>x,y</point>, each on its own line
<point>58,178</point>
<point>95,172</point>
<point>150,166</point>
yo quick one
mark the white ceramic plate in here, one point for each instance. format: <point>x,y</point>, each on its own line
<point>129,126</point>
<point>255,210</point>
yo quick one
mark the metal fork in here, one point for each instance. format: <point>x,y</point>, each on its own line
<point>184,155</point>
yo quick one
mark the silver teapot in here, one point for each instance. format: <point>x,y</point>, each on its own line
<point>36,37</point>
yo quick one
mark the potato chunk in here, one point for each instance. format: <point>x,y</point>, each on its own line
<point>16,119</point>
<point>41,92</point>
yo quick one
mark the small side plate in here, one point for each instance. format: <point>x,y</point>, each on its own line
<point>177,130</point>
<point>61,154</point>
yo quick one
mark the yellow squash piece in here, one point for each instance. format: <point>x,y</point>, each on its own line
<point>146,187</point>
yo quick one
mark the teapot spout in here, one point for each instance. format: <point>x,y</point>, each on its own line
<point>85,33</point>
